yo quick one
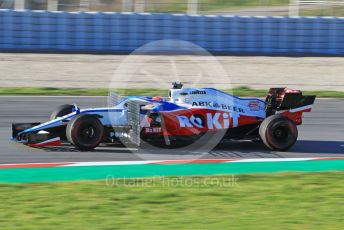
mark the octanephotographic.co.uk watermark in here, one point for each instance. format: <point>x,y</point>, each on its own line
<point>155,66</point>
<point>162,181</point>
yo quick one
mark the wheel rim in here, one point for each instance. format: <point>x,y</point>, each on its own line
<point>281,133</point>
<point>87,133</point>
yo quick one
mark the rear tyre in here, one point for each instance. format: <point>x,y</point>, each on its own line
<point>61,111</point>
<point>85,132</point>
<point>278,132</point>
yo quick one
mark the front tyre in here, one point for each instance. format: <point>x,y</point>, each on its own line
<point>85,132</point>
<point>278,132</point>
<point>61,111</point>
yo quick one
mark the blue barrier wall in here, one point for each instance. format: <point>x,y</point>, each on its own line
<point>124,32</point>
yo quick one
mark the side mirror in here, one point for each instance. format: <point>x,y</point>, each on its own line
<point>76,109</point>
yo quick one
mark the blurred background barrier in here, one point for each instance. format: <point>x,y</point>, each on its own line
<point>111,32</point>
<point>202,7</point>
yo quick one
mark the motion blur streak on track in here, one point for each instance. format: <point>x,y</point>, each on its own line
<point>321,135</point>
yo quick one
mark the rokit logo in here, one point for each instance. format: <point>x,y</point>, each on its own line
<point>213,121</point>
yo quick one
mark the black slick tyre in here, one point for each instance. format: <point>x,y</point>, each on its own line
<point>278,132</point>
<point>61,111</point>
<point>85,132</point>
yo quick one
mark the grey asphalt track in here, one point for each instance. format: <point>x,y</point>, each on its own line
<point>321,135</point>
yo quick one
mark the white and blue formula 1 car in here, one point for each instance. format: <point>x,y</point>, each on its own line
<point>186,115</point>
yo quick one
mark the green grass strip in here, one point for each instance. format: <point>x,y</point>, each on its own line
<point>255,202</point>
<point>149,170</point>
<point>49,91</point>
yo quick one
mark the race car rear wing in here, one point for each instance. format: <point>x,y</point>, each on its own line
<point>281,99</point>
